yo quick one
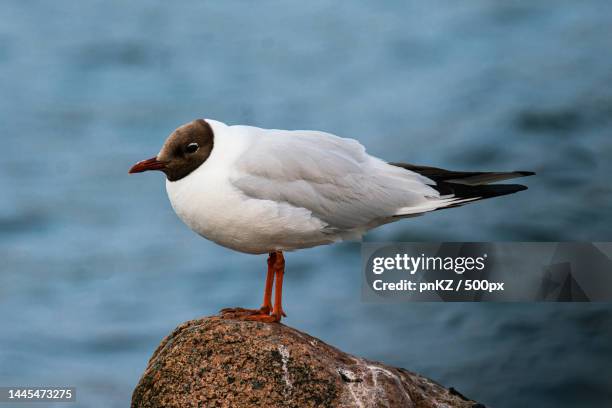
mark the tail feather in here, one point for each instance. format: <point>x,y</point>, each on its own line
<point>457,188</point>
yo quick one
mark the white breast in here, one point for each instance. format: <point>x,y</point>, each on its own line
<point>210,205</point>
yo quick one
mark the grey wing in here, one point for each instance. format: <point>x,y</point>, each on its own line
<point>332,177</point>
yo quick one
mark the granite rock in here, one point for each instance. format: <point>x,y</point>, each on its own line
<point>213,362</point>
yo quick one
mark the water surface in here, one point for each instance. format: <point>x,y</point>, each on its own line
<point>96,268</point>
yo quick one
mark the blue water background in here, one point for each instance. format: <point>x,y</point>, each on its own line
<point>95,268</point>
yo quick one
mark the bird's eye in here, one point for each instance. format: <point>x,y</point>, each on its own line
<point>192,148</point>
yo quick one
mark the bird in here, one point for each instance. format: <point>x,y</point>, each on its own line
<point>268,191</point>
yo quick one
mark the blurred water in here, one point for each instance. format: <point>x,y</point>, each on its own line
<point>96,268</point>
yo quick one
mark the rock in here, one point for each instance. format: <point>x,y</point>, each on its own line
<point>212,362</point>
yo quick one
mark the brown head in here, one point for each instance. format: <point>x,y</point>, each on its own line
<point>184,151</point>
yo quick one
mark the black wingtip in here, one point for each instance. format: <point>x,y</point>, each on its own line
<point>495,190</point>
<point>480,192</point>
<point>525,173</point>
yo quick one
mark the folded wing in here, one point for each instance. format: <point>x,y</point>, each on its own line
<point>332,177</point>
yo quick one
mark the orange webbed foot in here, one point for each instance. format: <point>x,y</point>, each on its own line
<point>257,315</point>
<point>265,318</point>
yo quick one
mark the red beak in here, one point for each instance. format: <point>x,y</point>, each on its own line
<point>146,165</point>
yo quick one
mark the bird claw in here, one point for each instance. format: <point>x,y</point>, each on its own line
<point>258,315</point>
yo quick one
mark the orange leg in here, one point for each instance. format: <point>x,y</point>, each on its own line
<point>267,299</point>
<point>276,272</point>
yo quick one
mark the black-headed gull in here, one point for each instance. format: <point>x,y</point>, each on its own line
<point>268,191</point>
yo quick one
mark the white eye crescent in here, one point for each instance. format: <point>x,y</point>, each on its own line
<point>192,148</point>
